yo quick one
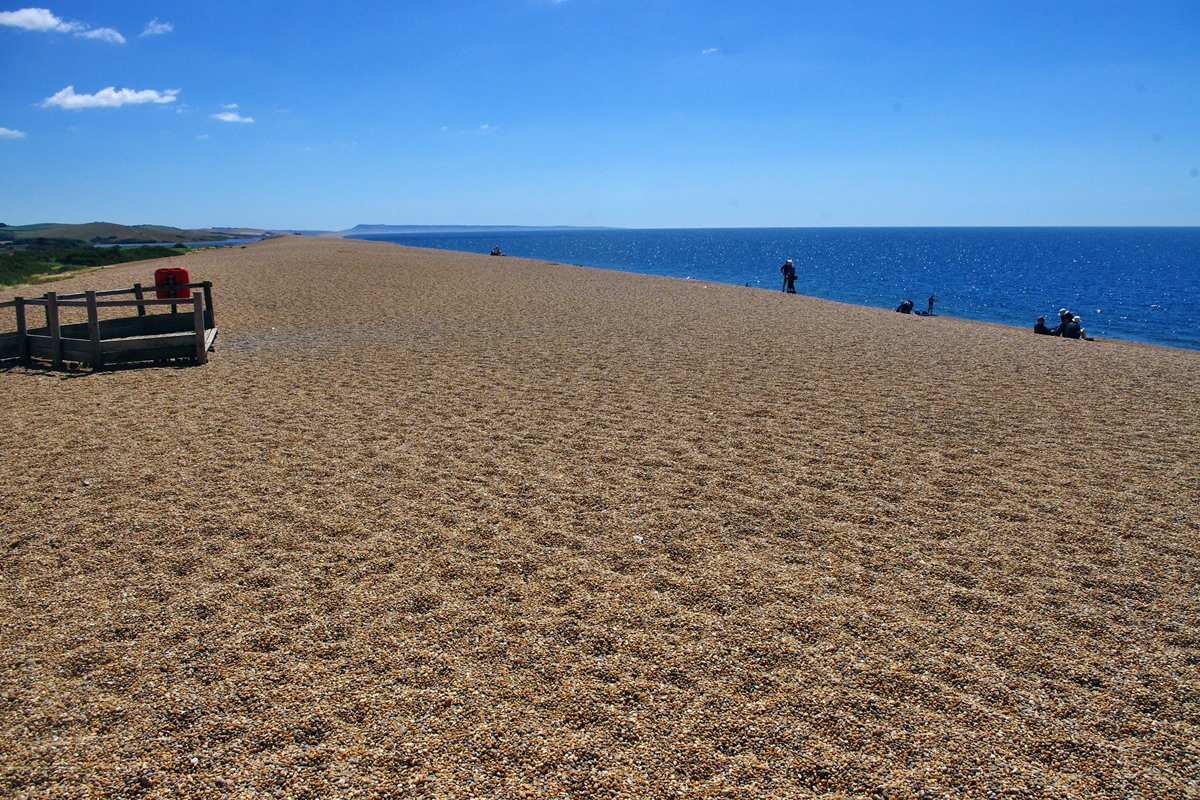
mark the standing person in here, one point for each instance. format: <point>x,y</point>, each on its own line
<point>931,299</point>
<point>789,277</point>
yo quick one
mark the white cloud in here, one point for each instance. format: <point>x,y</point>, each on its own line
<point>708,51</point>
<point>232,116</point>
<point>44,20</point>
<point>103,34</point>
<point>8,133</point>
<point>156,28</point>
<point>108,98</point>
<point>37,19</point>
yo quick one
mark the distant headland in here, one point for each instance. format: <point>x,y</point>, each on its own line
<point>110,233</point>
<point>385,229</point>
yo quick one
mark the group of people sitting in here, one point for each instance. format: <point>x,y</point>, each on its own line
<point>906,307</point>
<point>1068,326</point>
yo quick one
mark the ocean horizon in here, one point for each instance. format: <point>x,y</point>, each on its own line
<point>1135,283</point>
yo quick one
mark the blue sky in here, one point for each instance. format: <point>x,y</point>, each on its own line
<point>632,113</point>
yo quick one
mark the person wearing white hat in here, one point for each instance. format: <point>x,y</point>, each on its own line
<point>1064,319</point>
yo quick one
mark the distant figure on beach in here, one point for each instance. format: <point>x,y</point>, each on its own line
<point>789,277</point>
<point>1073,331</point>
<point>1064,319</point>
<point>1040,327</point>
<point>496,251</point>
<point>929,311</point>
<point>905,307</point>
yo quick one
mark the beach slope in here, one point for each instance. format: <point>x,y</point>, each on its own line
<point>442,525</point>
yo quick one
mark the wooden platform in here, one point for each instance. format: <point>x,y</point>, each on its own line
<point>186,334</point>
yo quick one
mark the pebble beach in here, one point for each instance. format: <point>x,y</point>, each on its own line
<point>442,525</point>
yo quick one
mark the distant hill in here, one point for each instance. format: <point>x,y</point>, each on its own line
<point>363,229</point>
<point>111,233</point>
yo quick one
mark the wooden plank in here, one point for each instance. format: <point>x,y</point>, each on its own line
<point>209,338</point>
<point>56,357</point>
<point>94,331</point>
<point>104,293</point>
<point>124,351</point>
<point>149,301</point>
<point>41,347</point>
<point>140,295</point>
<point>10,345</point>
<point>183,354</point>
<point>149,325</point>
<point>198,318</point>
<point>23,342</point>
<point>187,341</point>
<point>76,350</point>
<point>210,319</point>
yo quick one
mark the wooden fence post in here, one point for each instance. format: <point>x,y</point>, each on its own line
<point>94,331</point>
<point>198,317</point>
<point>140,295</point>
<point>210,319</point>
<point>22,330</point>
<point>56,358</point>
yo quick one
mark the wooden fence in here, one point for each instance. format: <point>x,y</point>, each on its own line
<point>106,342</point>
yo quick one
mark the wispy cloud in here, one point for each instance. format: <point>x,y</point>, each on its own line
<point>108,98</point>
<point>37,19</point>
<point>483,130</point>
<point>156,28</point>
<point>9,133</point>
<point>708,51</point>
<point>103,35</point>
<point>44,20</point>
<point>232,116</point>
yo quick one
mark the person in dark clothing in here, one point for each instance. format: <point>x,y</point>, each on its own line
<point>1073,331</point>
<point>789,277</point>
<point>905,307</point>
<point>929,311</point>
<point>1040,327</point>
<point>1064,319</point>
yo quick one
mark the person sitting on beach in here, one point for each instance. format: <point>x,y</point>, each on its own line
<point>1064,319</point>
<point>1040,327</point>
<point>1073,331</point>
<point>905,307</point>
<point>496,251</point>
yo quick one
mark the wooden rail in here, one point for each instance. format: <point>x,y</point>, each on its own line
<point>106,342</point>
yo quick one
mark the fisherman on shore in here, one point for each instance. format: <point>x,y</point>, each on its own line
<point>789,277</point>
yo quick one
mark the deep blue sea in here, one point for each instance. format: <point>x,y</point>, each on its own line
<point>1141,284</point>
